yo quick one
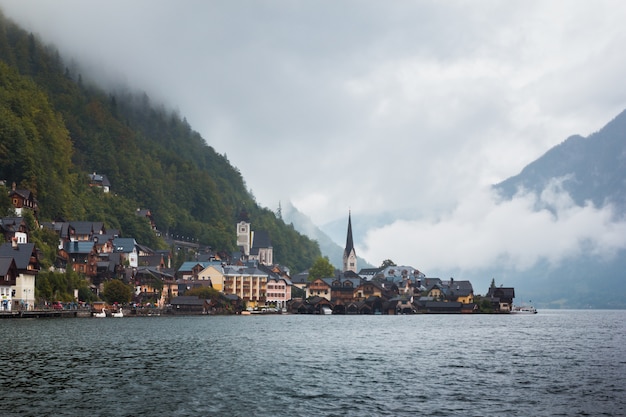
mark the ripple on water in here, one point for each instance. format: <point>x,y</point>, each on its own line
<point>554,363</point>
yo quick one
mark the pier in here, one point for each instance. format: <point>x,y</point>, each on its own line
<point>35,314</point>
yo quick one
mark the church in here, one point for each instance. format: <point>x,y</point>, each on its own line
<point>349,254</point>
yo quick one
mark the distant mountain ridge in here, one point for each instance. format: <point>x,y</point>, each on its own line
<point>328,246</point>
<point>593,168</point>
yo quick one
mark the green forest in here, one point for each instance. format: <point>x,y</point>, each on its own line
<point>56,128</point>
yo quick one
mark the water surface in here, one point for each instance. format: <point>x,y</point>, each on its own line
<point>554,363</point>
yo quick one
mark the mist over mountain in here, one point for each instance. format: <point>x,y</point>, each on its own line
<point>588,169</point>
<point>585,172</point>
<point>328,246</point>
<point>56,128</point>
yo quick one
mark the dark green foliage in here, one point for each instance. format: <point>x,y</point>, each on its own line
<point>216,300</point>
<point>115,291</point>
<point>322,268</point>
<point>5,203</point>
<point>55,286</point>
<point>55,129</point>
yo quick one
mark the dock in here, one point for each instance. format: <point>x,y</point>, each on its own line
<point>36,314</point>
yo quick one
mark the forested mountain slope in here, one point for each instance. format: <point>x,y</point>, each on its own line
<point>55,128</point>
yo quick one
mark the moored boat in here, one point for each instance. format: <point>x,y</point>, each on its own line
<point>524,310</point>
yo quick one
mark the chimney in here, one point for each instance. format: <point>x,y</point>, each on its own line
<point>14,243</point>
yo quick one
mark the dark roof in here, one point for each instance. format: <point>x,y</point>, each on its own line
<point>261,240</point>
<point>99,179</point>
<point>26,194</point>
<point>349,242</point>
<point>87,228</point>
<point>501,292</point>
<point>124,244</point>
<point>22,253</point>
<point>6,264</point>
<point>187,300</point>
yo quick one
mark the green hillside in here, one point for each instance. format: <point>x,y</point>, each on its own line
<point>55,128</point>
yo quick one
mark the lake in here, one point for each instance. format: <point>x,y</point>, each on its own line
<point>555,363</point>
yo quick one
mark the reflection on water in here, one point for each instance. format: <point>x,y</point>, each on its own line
<point>552,363</point>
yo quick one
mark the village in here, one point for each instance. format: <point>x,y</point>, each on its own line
<point>249,280</point>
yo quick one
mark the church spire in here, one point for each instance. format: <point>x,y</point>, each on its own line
<point>349,241</point>
<point>349,254</point>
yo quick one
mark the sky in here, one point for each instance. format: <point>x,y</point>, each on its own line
<point>405,111</point>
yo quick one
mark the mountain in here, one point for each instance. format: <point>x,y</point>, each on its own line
<point>590,170</point>
<point>57,126</point>
<point>328,246</point>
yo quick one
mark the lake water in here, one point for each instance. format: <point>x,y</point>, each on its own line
<point>555,363</point>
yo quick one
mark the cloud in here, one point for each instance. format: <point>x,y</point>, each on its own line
<point>398,109</point>
<point>485,232</point>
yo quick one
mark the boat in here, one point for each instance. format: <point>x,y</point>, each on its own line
<point>100,314</point>
<point>524,310</point>
<point>118,313</point>
<point>326,310</point>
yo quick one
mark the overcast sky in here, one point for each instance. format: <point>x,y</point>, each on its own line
<point>407,109</point>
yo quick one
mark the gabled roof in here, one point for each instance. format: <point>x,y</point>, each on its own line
<point>147,270</point>
<point>99,179</point>
<point>22,253</point>
<point>25,194</point>
<point>124,244</point>
<point>261,240</point>
<point>7,264</point>
<point>189,265</point>
<point>501,292</point>
<point>12,224</point>
<point>87,228</point>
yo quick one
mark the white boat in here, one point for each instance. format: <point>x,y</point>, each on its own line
<point>524,310</point>
<point>326,310</point>
<point>119,313</point>
<point>101,314</point>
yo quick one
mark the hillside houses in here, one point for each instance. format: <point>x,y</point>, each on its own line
<point>248,278</point>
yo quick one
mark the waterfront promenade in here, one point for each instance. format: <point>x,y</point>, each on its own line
<point>33,314</point>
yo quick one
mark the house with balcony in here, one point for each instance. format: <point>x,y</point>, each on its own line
<point>8,279</point>
<point>14,228</point>
<point>23,199</point>
<point>81,257</point>
<point>100,181</point>
<point>27,263</point>
<point>127,247</point>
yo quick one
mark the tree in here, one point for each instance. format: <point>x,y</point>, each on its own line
<point>321,268</point>
<point>5,201</point>
<point>387,262</point>
<point>115,291</point>
<point>204,293</point>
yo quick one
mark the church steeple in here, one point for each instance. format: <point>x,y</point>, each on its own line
<point>349,254</point>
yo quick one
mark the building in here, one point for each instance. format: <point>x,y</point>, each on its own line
<point>8,277</point>
<point>349,254</point>
<point>100,181</point>
<point>23,200</point>
<point>27,263</point>
<point>254,246</point>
